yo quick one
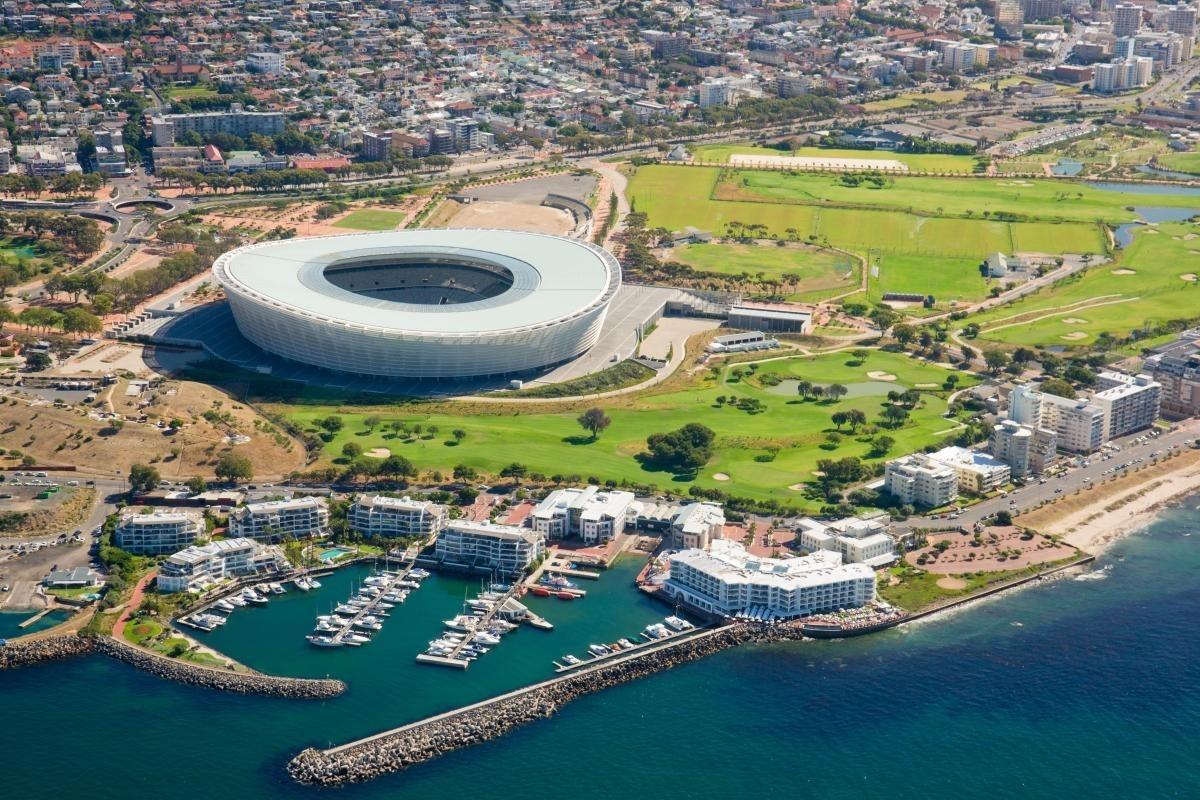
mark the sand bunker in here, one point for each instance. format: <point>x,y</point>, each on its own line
<point>927,385</point>
<point>1124,272</point>
<point>1075,321</point>
<point>1189,276</point>
<point>1187,237</point>
<point>877,375</point>
<point>952,583</point>
<point>1074,336</point>
<point>1151,230</point>
<point>378,452</point>
<point>720,476</point>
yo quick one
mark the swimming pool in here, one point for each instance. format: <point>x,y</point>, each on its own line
<point>333,554</point>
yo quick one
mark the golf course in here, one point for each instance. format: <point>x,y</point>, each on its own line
<point>768,438</point>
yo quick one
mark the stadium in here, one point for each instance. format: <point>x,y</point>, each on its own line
<point>422,303</point>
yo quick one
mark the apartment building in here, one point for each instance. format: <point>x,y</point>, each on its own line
<point>196,568</point>
<point>274,520</point>
<point>857,541</point>
<point>506,549</point>
<point>170,127</point>
<point>919,480</point>
<point>1130,402</point>
<point>1025,449</point>
<point>696,524</point>
<point>726,580</point>
<point>395,517</point>
<point>977,473</point>
<point>1126,19</point>
<point>593,515</point>
<point>158,533</point>
<point>1179,376</point>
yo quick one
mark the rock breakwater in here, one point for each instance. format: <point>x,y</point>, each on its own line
<point>423,741</point>
<point>23,654</point>
<point>226,681</point>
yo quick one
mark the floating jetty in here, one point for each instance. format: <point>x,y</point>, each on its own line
<point>465,649</point>
<point>350,630</point>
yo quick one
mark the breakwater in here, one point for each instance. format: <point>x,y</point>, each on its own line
<point>400,748</point>
<point>23,654</point>
<point>226,681</point>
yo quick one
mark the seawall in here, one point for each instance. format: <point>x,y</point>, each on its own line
<point>24,654</point>
<point>400,748</point>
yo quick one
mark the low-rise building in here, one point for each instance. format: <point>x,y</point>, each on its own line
<point>770,320</point>
<point>77,578</point>
<point>158,533</point>
<point>592,514</point>
<point>726,580</point>
<point>858,541</point>
<point>273,520</point>
<point>506,549</point>
<point>919,480</point>
<point>978,473</point>
<point>394,517</point>
<point>196,568</point>
<point>696,524</point>
<point>741,342</point>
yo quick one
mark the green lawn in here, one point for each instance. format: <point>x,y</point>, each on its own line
<point>1106,298</point>
<point>947,279</point>
<point>370,219</point>
<point>552,442</point>
<point>946,97</point>
<point>190,92</point>
<point>720,153</point>
<point>1180,162</point>
<point>815,271</point>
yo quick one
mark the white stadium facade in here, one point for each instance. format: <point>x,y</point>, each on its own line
<point>422,303</point>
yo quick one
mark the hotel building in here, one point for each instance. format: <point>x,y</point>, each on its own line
<point>195,568</point>
<point>394,517</point>
<point>1130,402</point>
<point>858,541</point>
<point>273,520</point>
<point>483,545</point>
<point>593,515</point>
<point>726,580</point>
<point>697,524</point>
<point>158,533</point>
<point>919,480</point>
<point>978,473</point>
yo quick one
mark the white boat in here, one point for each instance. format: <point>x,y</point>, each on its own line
<point>262,588</point>
<point>254,597</point>
<point>236,600</point>
<point>409,584</point>
<point>313,583</point>
<point>323,641</point>
<point>461,623</point>
<point>439,651</point>
<point>328,627</point>
<point>483,637</point>
<point>376,580</point>
<point>301,584</point>
<point>624,643</point>
<point>656,631</point>
<point>501,625</point>
<point>355,639</point>
<point>419,574</point>
<point>369,622</point>
<point>572,660</point>
<point>678,624</point>
<point>277,588</point>
<point>599,649</point>
<point>446,643</point>
<point>224,605</point>
<point>484,605</point>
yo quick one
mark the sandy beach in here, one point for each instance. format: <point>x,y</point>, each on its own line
<point>1093,519</point>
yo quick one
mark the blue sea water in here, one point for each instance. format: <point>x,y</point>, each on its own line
<point>1080,687</point>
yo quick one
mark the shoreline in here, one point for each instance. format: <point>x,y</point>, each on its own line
<point>1119,509</point>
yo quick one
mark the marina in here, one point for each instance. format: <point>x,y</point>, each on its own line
<point>351,623</point>
<point>672,628</point>
<point>480,626</point>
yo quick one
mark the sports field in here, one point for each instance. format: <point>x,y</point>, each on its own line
<point>370,219</point>
<point>1180,162</point>
<point>957,278</point>
<point>1153,280</point>
<point>814,270</point>
<point>553,443</point>
<point>720,153</point>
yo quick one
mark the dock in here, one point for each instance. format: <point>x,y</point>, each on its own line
<point>674,637</point>
<point>372,607</point>
<point>36,617</point>
<point>453,659</point>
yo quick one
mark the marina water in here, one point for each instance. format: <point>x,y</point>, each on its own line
<point>1079,687</point>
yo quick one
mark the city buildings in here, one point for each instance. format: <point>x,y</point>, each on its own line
<point>919,480</point>
<point>395,517</point>
<point>696,524</point>
<point>274,520</point>
<point>1126,19</point>
<point>197,568</point>
<point>1025,449</point>
<point>592,514</point>
<point>159,532</point>
<point>858,541</point>
<point>726,580</point>
<point>505,549</point>
<point>169,128</point>
<point>1123,404</point>
<point>1128,73</point>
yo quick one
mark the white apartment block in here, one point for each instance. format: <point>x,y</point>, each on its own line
<point>394,517</point>
<point>977,473</point>
<point>483,545</point>
<point>266,62</point>
<point>695,525</point>
<point>196,568</point>
<point>858,541</point>
<point>158,533</point>
<point>1130,402</point>
<point>919,480</point>
<point>1027,450</point>
<point>726,580</point>
<point>273,520</point>
<point>593,515</point>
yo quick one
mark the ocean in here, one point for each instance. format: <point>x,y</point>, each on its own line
<point>1077,687</point>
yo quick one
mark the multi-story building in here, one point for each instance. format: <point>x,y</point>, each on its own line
<point>696,524</point>
<point>1041,9</point>
<point>376,146</point>
<point>267,62</point>
<point>918,480</point>
<point>1027,450</point>
<point>1179,376</point>
<point>273,520</point>
<point>110,152</point>
<point>593,515</point>
<point>1010,18</point>
<point>858,541</point>
<point>1127,73</point>
<point>1126,19</point>
<point>1078,424</point>
<point>1182,19</point>
<point>506,549</point>
<point>1130,402</point>
<point>395,517</point>
<point>726,580</point>
<point>196,568</point>
<point>158,533</point>
<point>977,473</point>
<point>236,122</point>
<point>713,92</point>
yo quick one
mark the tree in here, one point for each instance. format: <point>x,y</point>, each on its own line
<point>804,388</point>
<point>233,467</point>
<point>684,450</point>
<point>895,416</point>
<point>332,423</point>
<point>859,354</point>
<point>197,485</point>
<point>904,333</point>
<point>856,417</point>
<point>142,478</point>
<point>880,446</point>
<point>516,471</point>
<point>36,362</point>
<point>996,360</point>
<point>396,467</point>
<point>840,418</point>
<point>464,473</point>
<point>836,391</point>
<point>372,422</point>
<point>352,450</point>
<point>459,434</point>
<point>595,421</point>
<point>1059,387</point>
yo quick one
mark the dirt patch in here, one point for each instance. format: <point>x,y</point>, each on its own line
<point>993,549</point>
<point>1124,272</point>
<point>720,476</point>
<point>378,452</point>
<point>1075,321</point>
<point>512,216</point>
<point>1190,277</point>
<point>952,583</point>
<point>878,375</point>
<point>1074,336</point>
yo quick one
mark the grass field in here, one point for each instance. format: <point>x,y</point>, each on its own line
<point>720,153</point>
<point>1109,297</point>
<point>957,278</point>
<point>816,270</point>
<point>1180,162</point>
<point>552,442</point>
<point>948,97</point>
<point>190,92</point>
<point>370,219</point>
